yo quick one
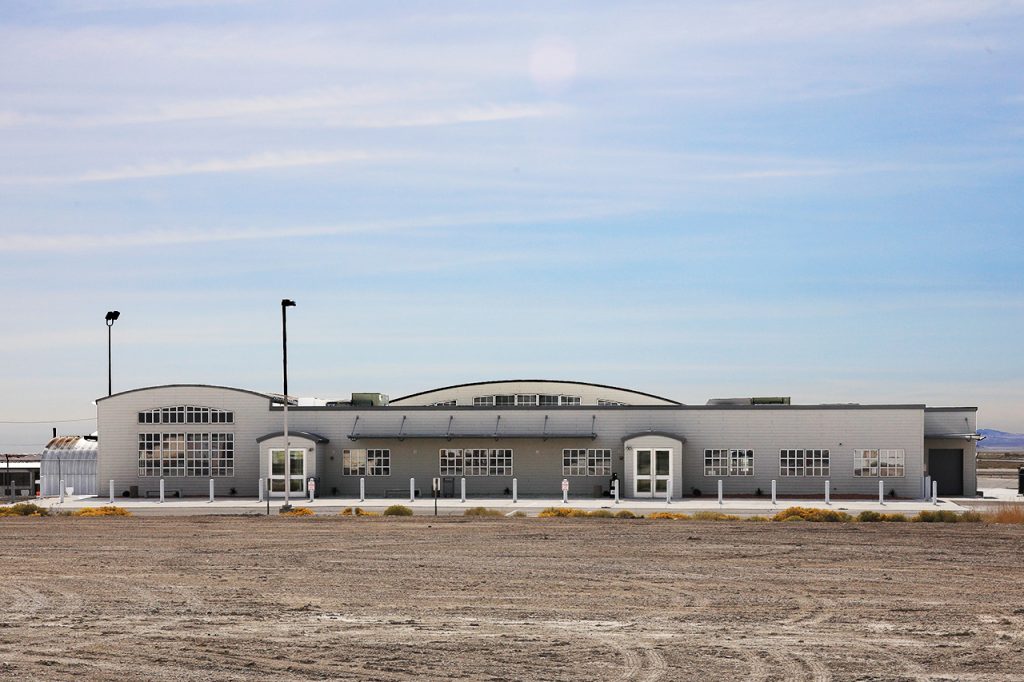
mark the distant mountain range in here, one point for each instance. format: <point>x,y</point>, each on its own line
<point>1000,440</point>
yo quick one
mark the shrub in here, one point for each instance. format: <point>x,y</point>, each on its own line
<point>600,514</point>
<point>1004,513</point>
<point>757,518</point>
<point>357,511</point>
<point>625,514</point>
<point>970,517</point>
<point>482,511</point>
<point>714,516</point>
<point>555,512</point>
<point>869,517</point>
<point>298,511</point>
<point>108,510</point>
<point>894,518</point>
<point>24,509</point>
<point>348,511</point>
<point>398,510</point>
<point>811,514</point>
<point>937,516</point>
<point>667,515</point>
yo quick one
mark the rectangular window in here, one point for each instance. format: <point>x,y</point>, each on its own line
<point>443,403</point>
<point>353,462</point>
<point>791,462</point>
<point>378,462</point>
<point>741,462</point>
<point>891,462</point>
<point>172,454</point>
<point>816,463</point>
<point>609,403</point>
<point>504,400</point>
<point>474,462</point>
<point>197,462</point>
<point>501,463</point>
<point>547,400</point>
<point>222,454</point>
<point>716,462</point>
<point>599,462</point>
<point>526,400</point>
<point>483,401</point>
<point>569,400</point>
<point>451,463</point>
<point>574,462</point>
<point>865,462</point>
<point>149,454</point>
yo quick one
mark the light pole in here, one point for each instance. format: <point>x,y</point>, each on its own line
<point>111,317</point>
<point>285,304</point>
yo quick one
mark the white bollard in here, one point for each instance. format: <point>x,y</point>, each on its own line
<point>668,492</point>
<point>312,493</point>
<point>927,486</point>
<point>827,499</point>
<point>412,489</point>
<point>211,490</point>
<point>515,490</point>
<point>935,492</point>
<point>463,489</point>
<point>773,491</point>
<point>565,491</point>
<point>61,491</point>
<point>260,489</point>
<point>881,492</point>
<point>720,491</point>
<point>615,490</point>
<point>362,489</point>
<point>161,490</point>
<point>111,491</point>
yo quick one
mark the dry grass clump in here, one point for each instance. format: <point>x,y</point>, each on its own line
<point>519,515</point>
<point>297,511</point>
<point>878,517</point>
<point>569,512</point>
<point>625,514</point>
<point>713,516</point>
<point>24,509</point>
<point>1004,513</point>
<point>357,511</point>
<point>557,512</point>
<point>667,515</point>
<point>811,514</point>
<point>946,516</point>
<point>757,518</point>
<point>601,514</point>
<point>109,510</point>
<point>398,510</point>
<point>482,511</point>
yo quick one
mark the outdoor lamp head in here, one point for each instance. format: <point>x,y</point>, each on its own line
<point>287,303</point>
<point>111,316</point>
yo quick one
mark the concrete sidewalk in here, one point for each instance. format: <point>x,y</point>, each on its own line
<point>452,506</point>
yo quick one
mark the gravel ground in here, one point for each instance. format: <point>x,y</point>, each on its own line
<point>496,599</point>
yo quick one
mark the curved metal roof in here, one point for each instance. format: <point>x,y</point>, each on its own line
<point>308,435</point>
<point>269,396</point>
<point>664,434</point>
<point>535,381</point>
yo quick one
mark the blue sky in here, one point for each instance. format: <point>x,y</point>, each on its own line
<point>749,198</point>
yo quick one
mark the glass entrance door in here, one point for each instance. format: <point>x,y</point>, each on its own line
<point>295,477</point>
<point>652,470</point>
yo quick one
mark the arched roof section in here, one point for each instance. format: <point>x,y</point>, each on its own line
<point>589,393</point>
<point>268,396</point>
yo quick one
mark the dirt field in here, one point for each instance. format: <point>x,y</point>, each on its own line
<point>537,599</point>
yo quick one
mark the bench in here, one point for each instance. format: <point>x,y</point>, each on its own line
<point>167,493</point>
<point>399,492</point>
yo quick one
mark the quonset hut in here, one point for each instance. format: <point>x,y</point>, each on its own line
<point>71,459</point>
<point>539,432</point>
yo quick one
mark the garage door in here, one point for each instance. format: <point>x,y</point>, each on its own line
<point>947,467</point>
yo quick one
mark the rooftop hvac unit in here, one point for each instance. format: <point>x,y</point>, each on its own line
<point>369,399</point>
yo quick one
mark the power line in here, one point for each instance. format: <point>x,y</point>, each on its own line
<point>52,421</point>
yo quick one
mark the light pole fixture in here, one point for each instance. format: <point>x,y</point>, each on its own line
<point>111,317</point>
<point>285,304</point>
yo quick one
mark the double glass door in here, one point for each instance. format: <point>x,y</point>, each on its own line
<point>294,475</point>
<point>653,469</point>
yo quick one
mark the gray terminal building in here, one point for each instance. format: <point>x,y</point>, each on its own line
<point>538,432</point>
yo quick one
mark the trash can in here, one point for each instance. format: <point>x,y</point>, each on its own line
<point>448,487</point>
<point>1020,481</point>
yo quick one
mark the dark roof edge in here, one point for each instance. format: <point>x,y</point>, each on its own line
<point>537,381</point>
<point>950,409</point>
<point>308,435</point>
<point>224,388</point>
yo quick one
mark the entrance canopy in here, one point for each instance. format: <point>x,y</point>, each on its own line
<point>450,431</point>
